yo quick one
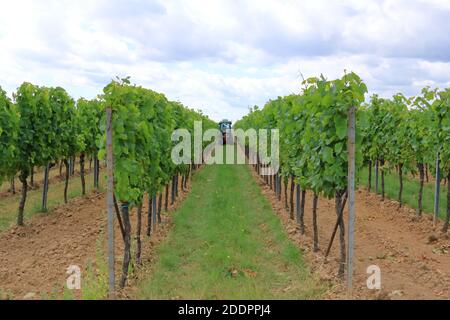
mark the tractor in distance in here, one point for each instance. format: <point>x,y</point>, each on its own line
<point>225,129</point>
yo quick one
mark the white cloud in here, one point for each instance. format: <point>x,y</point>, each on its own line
<point>224,56</point>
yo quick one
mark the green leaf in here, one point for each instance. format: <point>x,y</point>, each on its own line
<point>327,154</point>
<point>338,148</point>
<point>341,127</point>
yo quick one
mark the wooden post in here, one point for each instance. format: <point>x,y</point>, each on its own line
<point>95,172</point>
<point>45,188</point>
<point>437,191</point>
<point>376,175</point>
<point>297,200</point>
<point>110,202</point>
<point>351,196</point>
<point>154,212</point>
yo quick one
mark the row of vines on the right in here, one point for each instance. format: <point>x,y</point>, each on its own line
<point>402,134</point>
<point>408,136</point>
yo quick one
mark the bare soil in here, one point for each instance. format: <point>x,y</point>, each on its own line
<point>414,257</point>
<point>34,259</point>
<point>54,177</point>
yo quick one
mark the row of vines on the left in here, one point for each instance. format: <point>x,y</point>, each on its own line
<point>41,126</point>
<point>142,125</point>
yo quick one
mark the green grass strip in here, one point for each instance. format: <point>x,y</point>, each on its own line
<point>227,243</point>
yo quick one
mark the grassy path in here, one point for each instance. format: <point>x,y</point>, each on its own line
<point>227,243</point>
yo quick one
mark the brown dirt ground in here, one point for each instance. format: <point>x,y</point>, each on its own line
<point>54,177</point>
<point>34,258</point>
<point>412,266</point>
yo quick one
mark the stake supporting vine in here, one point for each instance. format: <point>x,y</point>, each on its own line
<point>437,189</point>
<point>351,196</point>
<point>110,202</point>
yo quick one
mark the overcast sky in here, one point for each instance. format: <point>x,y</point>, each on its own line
<point>224,56</point>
